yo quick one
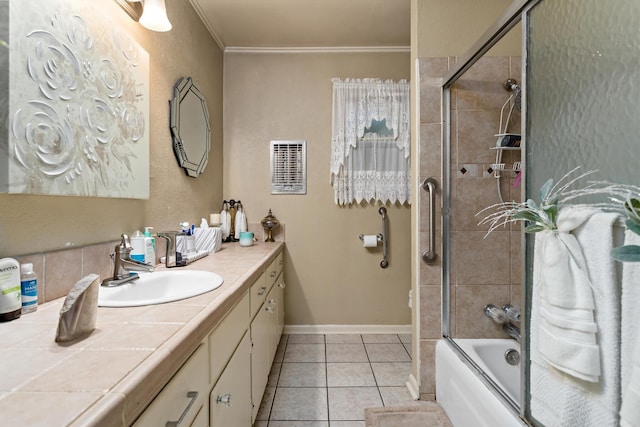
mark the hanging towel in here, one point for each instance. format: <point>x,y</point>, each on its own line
<point>224,223</point>
<point>567,327</point>
<point>630,339</point>
<point>558,398</point>
<point>241,222</point>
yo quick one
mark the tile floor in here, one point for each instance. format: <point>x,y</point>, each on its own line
<point>328,380</point>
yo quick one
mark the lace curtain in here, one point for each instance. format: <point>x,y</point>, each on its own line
<point>371,141</point>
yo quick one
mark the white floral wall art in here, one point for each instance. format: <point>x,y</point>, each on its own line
<point>78,113</point>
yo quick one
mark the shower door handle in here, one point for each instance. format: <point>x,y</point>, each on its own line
<point>430,185</point>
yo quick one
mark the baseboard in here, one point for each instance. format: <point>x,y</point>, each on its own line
<point>412,386</point>
<point>347,329</point>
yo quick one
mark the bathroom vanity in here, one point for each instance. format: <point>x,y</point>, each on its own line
<point>202,361</point>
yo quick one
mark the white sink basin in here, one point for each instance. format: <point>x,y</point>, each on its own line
<point>159,287</point>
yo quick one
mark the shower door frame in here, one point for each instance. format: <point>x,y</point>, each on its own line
<point>515,13</point>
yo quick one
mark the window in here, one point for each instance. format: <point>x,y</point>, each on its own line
<point>371,141</point>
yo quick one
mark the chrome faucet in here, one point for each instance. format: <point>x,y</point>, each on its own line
<point>512,330</point>
<point>123,264</point>
<point>172,258</point>
<point>512,312</point>
<point>496,314</point>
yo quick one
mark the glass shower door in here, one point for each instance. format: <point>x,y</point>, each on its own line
<point>583,110</point>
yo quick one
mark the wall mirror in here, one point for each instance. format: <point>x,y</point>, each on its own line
<point>190,129</point>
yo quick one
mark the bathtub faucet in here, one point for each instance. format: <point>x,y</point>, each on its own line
<point>512,330</point>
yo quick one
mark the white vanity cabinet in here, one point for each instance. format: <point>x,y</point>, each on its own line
<point>183,400</point>
<point>265,331</point>
<point>223,382</point>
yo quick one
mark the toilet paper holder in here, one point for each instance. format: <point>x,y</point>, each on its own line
<point>381,237</point>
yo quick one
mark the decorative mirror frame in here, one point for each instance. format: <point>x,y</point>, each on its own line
<point>184,87</point>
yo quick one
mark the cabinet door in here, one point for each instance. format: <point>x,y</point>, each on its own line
<point>230,402</point>
<point>279,297</point>
<point>260,362</point>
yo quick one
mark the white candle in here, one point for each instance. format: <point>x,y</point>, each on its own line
<point>214,219</point>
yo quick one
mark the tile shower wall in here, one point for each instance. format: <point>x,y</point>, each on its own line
<point>484,269</point>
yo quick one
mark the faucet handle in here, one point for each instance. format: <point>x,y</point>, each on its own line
<point>495,313</point>
<point>512,312</point>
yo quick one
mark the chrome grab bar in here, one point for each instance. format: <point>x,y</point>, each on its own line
<point>431,185</point>
<point>384,263</point>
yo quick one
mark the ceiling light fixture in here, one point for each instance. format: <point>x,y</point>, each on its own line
<point>152,14</point>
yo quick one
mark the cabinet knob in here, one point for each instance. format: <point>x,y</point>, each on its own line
<point>262,290</point>
<point>273,301</point>
<point>193,395</point>
<point>226,399</point>
<point>270,309</point>
<point>282,285</point>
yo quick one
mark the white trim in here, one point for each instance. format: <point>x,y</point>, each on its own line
<point>347,329</point>
<point>205,21</point>
<point>412,386</point>
<point>328,49</point>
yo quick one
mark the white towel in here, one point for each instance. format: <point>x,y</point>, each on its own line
<point>630,338</point>
<point>567,327</point>
<point>241,222</point>
<point>224,223</point>
<point>557,398</point>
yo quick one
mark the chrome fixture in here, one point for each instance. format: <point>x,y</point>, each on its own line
<point>512,330</point>
<point>382,237</point>
<point>123,264</point>
<point>152,14</point>
<point>431,185</point>
<point>172,258</point>
<point>512,356</point>
<point>495,313</point>
<point>512,312</point>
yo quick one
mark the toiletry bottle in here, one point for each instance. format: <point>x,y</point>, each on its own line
<point>149,247</point>
<point>28,288</point>
<point>137,246</point>
<point>10,297</point>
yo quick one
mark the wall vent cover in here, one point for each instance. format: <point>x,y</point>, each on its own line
<point>288,167</point>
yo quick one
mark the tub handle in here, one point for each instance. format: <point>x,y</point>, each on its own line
<point>431,185</point>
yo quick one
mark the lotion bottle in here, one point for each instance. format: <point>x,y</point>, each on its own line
<point>149,247</point>
<point>10,296</point>
<point>29,288</point>
<point>137,246</point>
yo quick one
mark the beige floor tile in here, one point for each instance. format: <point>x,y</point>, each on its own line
<point>347,423</point>
<point>381,339</point>
<point>343,339</point>
<point>398,396</point>
<point>306,339</point>
<point>299,424</point>
<point>298,403</point>
<point>304,353</point>
<point>274,374</point>
<point>387,353</point>
<point>303,375</point>
<point>405,338</point>
<point>265,406</point>
<point>346,353</point>
<point>348,403</point>
<point>391,374</point>
<point>350,375</point>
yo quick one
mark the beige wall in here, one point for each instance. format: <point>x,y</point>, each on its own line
<point>30,224</point>
<point>331,278</point>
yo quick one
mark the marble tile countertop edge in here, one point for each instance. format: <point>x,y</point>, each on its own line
<point>122,402</point>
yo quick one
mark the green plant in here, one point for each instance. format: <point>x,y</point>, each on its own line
<point>630,253</point>
<point>621,198</point>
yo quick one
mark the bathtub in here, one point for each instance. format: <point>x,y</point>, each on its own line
<point>464,396</point>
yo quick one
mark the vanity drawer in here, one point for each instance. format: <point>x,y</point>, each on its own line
<point>259,291</point>
<point>274,269</point>
<point>226,336</point>
<point>184,396</point>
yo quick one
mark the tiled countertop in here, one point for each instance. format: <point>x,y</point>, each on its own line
<point>109,378</point>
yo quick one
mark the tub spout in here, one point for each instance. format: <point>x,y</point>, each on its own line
<point>512,330</point>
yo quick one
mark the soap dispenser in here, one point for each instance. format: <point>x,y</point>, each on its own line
<point>137,246</point>
<point>149,247</point>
